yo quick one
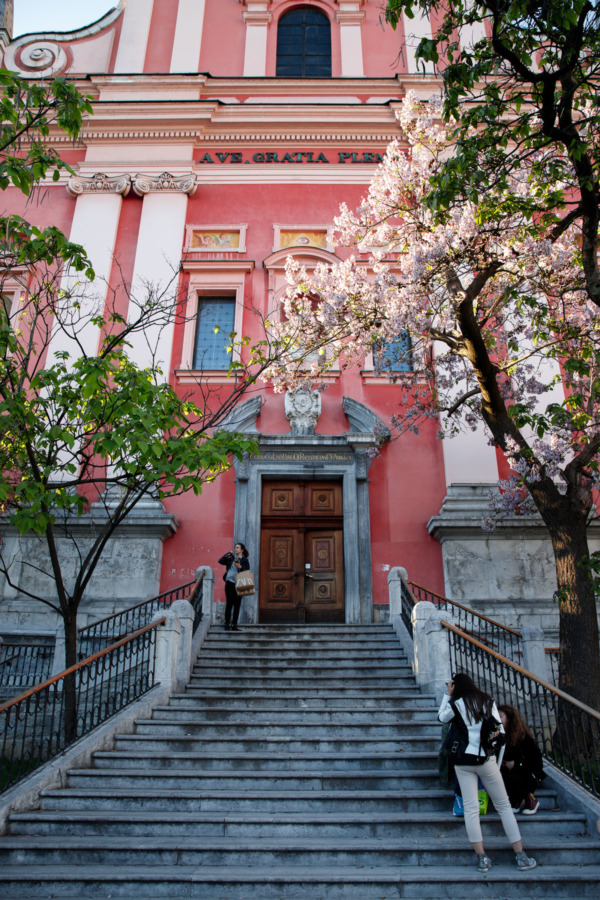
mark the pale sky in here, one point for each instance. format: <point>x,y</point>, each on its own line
<point>57,15</point>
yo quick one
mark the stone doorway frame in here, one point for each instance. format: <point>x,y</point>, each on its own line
<point>312,457</point>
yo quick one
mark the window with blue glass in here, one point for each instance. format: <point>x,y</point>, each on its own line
<point>304,44</point>
<point>214,324</point>
<point>395,356</point>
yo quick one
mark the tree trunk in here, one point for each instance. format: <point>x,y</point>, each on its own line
<point>579,666</point>
<point>70,681</point>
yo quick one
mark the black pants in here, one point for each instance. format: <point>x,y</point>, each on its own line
<point>232,603</point>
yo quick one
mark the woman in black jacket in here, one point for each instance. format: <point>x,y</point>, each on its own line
<point>521,764</point>
<point>235,562</point>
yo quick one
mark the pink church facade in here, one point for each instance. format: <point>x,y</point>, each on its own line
<point>225,136</point>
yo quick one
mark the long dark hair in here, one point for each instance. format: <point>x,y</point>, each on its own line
<point>244,551</point>
<point>476,701</point>
<point>516,729</point>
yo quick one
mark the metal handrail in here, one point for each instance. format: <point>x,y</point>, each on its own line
<point>24,664</point>
<point>41,723</point>
<point>445,601</point>
<point>567,730</point>
<point>113,627</point>
<point>493,633</point>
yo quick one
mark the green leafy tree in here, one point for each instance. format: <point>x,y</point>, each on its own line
<point>85,437</point>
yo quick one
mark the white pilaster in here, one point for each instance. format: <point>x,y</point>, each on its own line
<point>257,18</point>
<point>157,260</point>
<point>415,29</point>
<point>95,222</point>
<point>188,36</point>
<point>350,18</point>
<point>468,456</point>
<point>134,36</point>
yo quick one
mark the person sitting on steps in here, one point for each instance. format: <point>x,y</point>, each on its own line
<point>522,762</point>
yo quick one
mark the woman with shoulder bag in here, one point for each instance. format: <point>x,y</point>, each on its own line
<point>521,768</point>
<point>235,562</point>
<point>465,702</point>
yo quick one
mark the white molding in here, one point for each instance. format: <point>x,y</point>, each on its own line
<point>211,278</point>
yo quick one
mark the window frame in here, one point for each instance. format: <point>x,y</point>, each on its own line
<point>226,279</point>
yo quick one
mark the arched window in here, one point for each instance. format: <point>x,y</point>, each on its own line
<point>304,44</point>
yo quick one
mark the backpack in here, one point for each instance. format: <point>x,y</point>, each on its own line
<point>492,738</point>
<point>457,739</point>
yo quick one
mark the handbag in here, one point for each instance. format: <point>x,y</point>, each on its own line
<point>244,583</point>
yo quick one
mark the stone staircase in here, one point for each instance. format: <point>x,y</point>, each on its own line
<point>299,763</point>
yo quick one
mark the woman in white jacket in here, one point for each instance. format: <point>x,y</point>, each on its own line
<point>467,702</point>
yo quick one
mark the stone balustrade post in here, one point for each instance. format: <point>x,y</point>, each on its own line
<point>184,611</point>
<point>535,658</point>
<point>432,666</point>
<point>167,649</point>
<point>396,576</point>
<point>208,591</point>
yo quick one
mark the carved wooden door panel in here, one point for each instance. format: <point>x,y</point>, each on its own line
<point>302,563</point>
<point>324,581</point>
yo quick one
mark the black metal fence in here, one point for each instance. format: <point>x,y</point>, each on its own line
<point>23,665</point>
<point>98,635</point>
<point>567,731</point>
<point>408,603</point>
<point>36,727</point>
<point>494,635</point>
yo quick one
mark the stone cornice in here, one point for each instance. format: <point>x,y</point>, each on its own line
<point>100,183</point>
<point>164,183</point>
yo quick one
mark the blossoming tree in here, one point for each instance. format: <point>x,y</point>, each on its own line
<point>502,328</point>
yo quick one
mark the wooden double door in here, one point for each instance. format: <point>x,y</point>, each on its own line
<point>302,555</point>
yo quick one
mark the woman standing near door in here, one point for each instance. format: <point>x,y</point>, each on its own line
<point>235,562</point>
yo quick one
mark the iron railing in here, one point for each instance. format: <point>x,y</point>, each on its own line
<point>567,731</point>
<point>98,635</point>
<point>23,665</point>
<point>493,634</point>
<point>36,726</point>
<point>407,605</point>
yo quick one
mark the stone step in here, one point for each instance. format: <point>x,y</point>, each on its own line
<point>244,653</point>
<point>246,800</point>
<point>283,883</point>
<point>360,745</point>
<point>305,665</point>
<point>230,761</point>
<point>295,727</point>
<point>323,690</point>
<point>279,715</point>
<point>216,678</point>
<point>293,852</point>
<point>295,700</point>
<point>270,780</point>
<point>307,825</point>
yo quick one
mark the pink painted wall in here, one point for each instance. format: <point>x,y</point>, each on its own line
<point>407,483</point>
